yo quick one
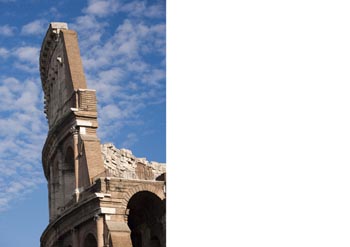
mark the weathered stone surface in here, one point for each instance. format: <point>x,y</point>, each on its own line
<point>122,163</point>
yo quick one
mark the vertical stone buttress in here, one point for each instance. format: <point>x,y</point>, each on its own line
<point>71,155</point>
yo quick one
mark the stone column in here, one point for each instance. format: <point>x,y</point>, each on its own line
<point>51,193</point>
<point>59,189</point>
<point>75,237</point>
<point>119,232</point>
<point>75,132</point>
<point>99,231</point>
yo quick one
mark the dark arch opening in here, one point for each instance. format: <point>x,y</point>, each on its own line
<point>68,175</point>
<point>146,220</point>
<point>90,241</point>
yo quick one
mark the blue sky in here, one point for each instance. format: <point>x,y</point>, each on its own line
<point>122,44</point>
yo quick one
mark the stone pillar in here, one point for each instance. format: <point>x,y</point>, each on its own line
<point>75,238</point>
<point>99,231</point>
<point>76,161</point>
<point>119,233</point>
<point>51,193</point>
<point>59,195</point>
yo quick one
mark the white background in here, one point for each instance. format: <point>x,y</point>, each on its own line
<point>258,118</point>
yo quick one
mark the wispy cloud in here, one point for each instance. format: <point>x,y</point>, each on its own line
<point>101,8</point>
<point>131,139</point>
<point>36,27</point>
<point>154,77</point>
<point>125,81</point>
<point>7,30</point>
<point>26,58</point>
<point>27,54</point>
<point>130,40</point>
<point>141,9</point>
<point>54,13</point>
<point>3,52</point>
<point>21,137</point>
<point>90,30</point>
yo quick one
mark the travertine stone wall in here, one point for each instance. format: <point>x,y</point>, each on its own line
<point>122,163</point>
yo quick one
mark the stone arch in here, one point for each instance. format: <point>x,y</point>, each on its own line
<point>90,240</point>
<point>146,220</point>
<point>155,189</point>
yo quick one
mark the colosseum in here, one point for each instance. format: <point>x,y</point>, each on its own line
<point>98,195</point>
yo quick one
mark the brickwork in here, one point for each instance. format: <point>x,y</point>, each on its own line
<point>87,100</point>
<point>73,60</point>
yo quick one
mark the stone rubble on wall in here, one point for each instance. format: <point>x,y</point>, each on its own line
<point>122,163</point>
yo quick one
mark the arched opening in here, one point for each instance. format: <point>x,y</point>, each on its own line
<point>146,220</point>
<point>90,241</point>
<point>68,175</point>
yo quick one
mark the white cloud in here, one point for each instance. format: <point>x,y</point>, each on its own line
<point>139,35</point>
<point>3,52</point>
<point>18,187</point>
<point>130,41</point>
<point>7,30</point>
<point>154,77</point>
<point>111,112</point>
<point>27,54</point>
<point>27,67</point>
<point>89,29</point>
<point>137,66</point>
<point>9,90</point>
<point>85,23</point>
<point>4,201</point>
<point>117,67</point>
<point>101,8</point>
<point>55,13</point>
<point>13,83</point>
<point>113,75</point>
<point>155,11</point>
<point>24,129</point>
<point>131,139</point>
<point>36,27</point>
<point>134,8</point>
<point>113,116</point>
<point>141,9</point>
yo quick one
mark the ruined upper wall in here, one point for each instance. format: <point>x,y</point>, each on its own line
<point>121,163</point>
<point>61,71</point>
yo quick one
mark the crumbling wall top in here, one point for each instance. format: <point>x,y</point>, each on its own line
<point>122,163</point>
